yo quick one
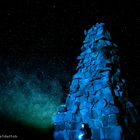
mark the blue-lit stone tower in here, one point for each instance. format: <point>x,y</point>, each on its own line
<point>97,97</point>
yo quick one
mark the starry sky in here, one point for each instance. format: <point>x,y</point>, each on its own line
<point>38,37</point>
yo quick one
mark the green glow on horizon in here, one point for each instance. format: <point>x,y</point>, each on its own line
<point>31,103</point>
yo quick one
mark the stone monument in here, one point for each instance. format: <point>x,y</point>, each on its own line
<point>96,105</point>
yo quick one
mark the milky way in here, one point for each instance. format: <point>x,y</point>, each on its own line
<point>29,100</point>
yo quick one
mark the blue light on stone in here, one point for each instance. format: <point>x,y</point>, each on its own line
<point>80,136</point>
<point>97,92</point>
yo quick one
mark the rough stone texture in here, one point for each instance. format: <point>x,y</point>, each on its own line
<point>97,95</point>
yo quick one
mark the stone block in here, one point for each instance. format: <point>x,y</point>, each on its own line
<point>75,125</point>
<point>83,82</point>
<point>90,113</point>
<point>78,117</point>
<point>102,43</point>
<point>60,135</point>
<point>91,90</point>
<point>97,82</point>
<point>105,133</point>
<point>93,114</point>
<point>95,123</point>
<point>78,99</point>
<point>105,74</point>
<point>69,102</point>
<point>112,120</point>
<point>102,135</point>
<point>80,57</point>
<point>100,25</point>
<point>97,96</point>
<point>116,133</point>
<point>87,40</point>
<point>107,95</point>
<point>101,83</point>
<point>100,31</point>
<point>101,36</point>
<point>93,55</point>
<point>68,116</point>
<point>91,99</point>
<point>100,104</point>
<point>74,109</point>
<point>108,43</point>
<point>59,126</point>
<point>62,108</point>
<point>95,134</point>
<point>89,105</point>
<point>105,80</point>
<point>74,134</point>
<point>78,75</point>
<point>112,109</point>
<point>77,94</point>
<point>81,100</point>
<point>99,112</point>
<point>90,30</point>
<point>83,111</point>
<point>98,87</point>
<point>85,119</point>
<point>83,104</point>
<point>85,93</point>
<point>104,120</point>
<point>106,91</point>
<point>84,47</point>
<point>87,74</point>
<point>74,85</point>
<point>67,125</point>
<point>59,117</point>
<point>111,133</point>
<point>88,51</point>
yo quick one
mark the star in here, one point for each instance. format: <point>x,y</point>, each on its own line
<point>54,6</point>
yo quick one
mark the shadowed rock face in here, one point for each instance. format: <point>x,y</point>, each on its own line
<point>98,97</point>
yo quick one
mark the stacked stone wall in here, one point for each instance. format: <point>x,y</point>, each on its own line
<point>97,92</point>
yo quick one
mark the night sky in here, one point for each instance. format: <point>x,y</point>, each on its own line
<point>41,39</point>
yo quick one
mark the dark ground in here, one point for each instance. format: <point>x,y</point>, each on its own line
<point>43,32</point>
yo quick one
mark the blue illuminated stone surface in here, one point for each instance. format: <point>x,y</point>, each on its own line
<point>97,93</point>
